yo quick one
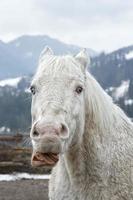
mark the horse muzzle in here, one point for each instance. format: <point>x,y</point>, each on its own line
<point>46,151</point>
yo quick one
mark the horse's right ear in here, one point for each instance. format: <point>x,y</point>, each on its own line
<point>83,58</point>
<point>47,51</point>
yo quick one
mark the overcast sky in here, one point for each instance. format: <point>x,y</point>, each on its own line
<point>97,24</point>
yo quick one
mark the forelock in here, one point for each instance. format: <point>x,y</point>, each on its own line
<point>59,66</point>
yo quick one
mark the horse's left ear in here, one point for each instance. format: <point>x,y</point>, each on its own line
<point>47,51</point>
<point>83,58</point>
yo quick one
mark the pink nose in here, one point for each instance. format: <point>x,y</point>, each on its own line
<point>41,130</point>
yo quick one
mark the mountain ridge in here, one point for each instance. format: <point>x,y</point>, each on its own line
<point>20,56</point>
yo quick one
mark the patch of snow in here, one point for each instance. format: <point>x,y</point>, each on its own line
<point>110,89</point>
<point>4,129</point>
<point>10,82</point>
<point>118,56</point>
<point>119,65</point>
<point>27,90</point>
<point>20,176</point>
<point>121,90</point>
<point>129,102</point>
<point>129,55</point>
<point>29,54</point>
<point>8,130</point>
<point>17,44</point>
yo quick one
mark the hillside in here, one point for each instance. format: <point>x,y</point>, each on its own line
<point>114,72</point>
<point>20,56</point>
<point>111,69</point>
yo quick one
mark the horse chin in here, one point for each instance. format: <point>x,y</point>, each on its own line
<point>46,152</point>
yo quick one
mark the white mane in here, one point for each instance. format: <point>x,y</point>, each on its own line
<point>104,112</point>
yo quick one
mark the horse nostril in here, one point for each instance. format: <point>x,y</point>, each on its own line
<point>64,131</point>
<point>63,128</point>
<point>35,134</point>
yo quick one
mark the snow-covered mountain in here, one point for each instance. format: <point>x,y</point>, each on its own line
<point>113,68</point>
<point>15,102</point>
<point>13,82</point>
<point>114,71</point>
<point>20,56</point>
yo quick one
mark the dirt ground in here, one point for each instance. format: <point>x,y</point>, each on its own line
<point>24,190</point>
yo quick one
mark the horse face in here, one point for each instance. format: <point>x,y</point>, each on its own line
<point>58,111</point>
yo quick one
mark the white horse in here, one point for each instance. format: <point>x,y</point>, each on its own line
<point>79,130</point>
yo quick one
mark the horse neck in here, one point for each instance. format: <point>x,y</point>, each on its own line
<point>82,162</point>
<point>83,159</point>
<point>99,106</point>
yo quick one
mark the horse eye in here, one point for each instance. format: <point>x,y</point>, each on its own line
<point>33,90</point>
<point>79,89</point>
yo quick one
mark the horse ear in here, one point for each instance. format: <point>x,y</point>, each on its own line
<point>83,58</point>
<point>47,51</point>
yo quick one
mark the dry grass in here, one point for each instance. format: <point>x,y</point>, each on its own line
<point>24,190</point>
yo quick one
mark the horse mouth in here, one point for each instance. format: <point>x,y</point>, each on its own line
<point>44,159</point>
